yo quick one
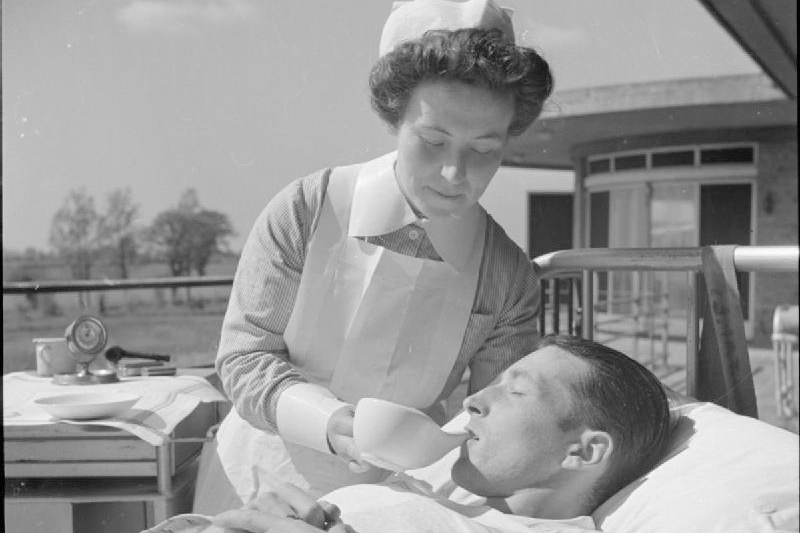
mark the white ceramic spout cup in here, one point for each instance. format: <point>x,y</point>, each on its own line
<point>398,438</point>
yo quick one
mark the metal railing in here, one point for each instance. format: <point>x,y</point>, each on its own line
<point>717,366</point>
<point>718,374</point>
<point>41,287</point>
<point>649,311</point>
<point>785,331</point>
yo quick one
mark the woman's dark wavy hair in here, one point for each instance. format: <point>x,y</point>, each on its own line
<point>473,56</point>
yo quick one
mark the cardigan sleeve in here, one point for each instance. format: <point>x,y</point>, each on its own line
<point>252,360</point>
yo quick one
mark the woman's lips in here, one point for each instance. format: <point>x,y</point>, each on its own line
<point>445,195</point>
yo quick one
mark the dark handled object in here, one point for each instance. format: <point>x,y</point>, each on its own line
<point>115,353</point>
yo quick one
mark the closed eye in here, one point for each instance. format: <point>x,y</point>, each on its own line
<point>432,142</point>
<point>483,150</point>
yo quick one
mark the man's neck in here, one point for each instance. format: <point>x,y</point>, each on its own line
<point>553,504</point>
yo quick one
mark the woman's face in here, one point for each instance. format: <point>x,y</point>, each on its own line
<point>451,141</point>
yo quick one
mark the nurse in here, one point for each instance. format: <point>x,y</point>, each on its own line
<point>384,279</point>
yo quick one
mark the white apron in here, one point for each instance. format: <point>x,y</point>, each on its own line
<point>367,322</point>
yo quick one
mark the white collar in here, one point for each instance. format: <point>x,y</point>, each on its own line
<point>379,207</point>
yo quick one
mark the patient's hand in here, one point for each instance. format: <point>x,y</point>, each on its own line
<point>340,438</point>
<point>288,509</point>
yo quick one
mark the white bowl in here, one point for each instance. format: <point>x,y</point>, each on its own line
<point>87,405</point>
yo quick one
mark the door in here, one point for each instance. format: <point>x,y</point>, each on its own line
<point>725,218</point>
<point>550,223</point>
<point>550,229</point>
<point>599,203</point>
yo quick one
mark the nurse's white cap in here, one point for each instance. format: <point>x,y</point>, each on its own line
<point>410,20</point>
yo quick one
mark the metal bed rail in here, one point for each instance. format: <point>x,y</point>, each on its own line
<point>717,363</point>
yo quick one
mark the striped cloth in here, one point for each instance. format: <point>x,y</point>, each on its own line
<point>164,402</point>
<point>253,361</point>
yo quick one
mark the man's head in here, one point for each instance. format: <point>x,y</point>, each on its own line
<point>574,418</point>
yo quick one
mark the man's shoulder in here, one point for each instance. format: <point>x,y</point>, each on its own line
<point>405,504</point>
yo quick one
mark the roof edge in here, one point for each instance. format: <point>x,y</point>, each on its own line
<point>740,88</point>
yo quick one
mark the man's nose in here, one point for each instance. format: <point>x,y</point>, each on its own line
<point>475,404</point>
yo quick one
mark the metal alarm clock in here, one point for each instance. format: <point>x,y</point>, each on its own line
<point>86,337</point>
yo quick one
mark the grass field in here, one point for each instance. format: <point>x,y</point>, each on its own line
<point>140,320</point>
<point>189,333</point>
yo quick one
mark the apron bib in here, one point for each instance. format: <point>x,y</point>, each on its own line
<point>367,322</point>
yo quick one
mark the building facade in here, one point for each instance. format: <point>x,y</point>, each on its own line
<point>683,163</point>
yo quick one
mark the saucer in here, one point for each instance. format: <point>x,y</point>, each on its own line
<point>87,405</point>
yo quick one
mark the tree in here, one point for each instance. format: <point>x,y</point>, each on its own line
<point>117,229</point>
<point>189,202</point>
<point>208,235</point>
<point>187,236</point>
<point>74,233</point>
<point>169,234</point>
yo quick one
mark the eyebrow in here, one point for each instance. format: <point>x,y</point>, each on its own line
<point>537,383</point>
<point>515,373</point>
<point>492,136</point>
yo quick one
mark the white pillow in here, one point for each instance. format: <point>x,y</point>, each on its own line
<point>722,473</point>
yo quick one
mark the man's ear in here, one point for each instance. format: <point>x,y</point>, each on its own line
<point>592,449</point>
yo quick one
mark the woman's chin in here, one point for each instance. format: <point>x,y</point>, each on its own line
<point>441,207</point>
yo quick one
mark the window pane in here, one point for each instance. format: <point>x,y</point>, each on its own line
<point>599,166</point>
<point>673,159</point>
<point>673,224</point>
<point>627,229</point>
<point>630,162</point>
<point>673,219</point>
<point>727,155</point>
<point>628,218</point>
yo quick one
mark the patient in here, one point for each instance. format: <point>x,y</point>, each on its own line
<point>557,434</point>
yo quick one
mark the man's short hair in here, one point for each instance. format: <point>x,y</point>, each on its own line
<point>473,56</point>
<point>623,398</point>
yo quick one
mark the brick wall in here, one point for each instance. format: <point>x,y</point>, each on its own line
<point>776,224</point>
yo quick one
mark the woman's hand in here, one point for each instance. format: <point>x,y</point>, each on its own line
<point>340,439</point>
<point>286,508</point>
<point>255,521</point>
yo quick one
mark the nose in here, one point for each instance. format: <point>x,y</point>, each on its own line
<point>476,404</point>
<point>454,170</point>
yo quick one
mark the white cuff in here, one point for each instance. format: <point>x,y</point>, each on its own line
<point>303,412</point>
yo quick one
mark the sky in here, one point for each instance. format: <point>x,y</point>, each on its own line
<point>236,98</point>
